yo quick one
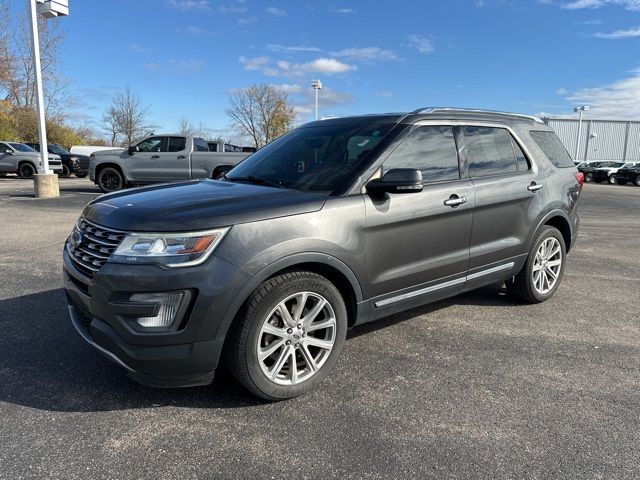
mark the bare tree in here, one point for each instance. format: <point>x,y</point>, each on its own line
<point>261,112</point>
<point>126,116</point>
<point>185,127</point>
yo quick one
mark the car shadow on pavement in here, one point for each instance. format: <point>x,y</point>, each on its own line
<point>45,364</point>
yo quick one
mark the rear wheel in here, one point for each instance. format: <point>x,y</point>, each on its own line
<point>65,172</point>
<point>288,336</point>
<point>110,180</point>
<point>612,179</point>
<point>588,177</point>
<point>26,170</point>
<point>542,272</point>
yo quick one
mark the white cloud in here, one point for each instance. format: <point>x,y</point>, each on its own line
<point>633,5</point>
<point>384,94</point>
<point>197,31</point>
<point>255,63</point>
<point>278,12</point>
<point>232,9</point>
<point>620,99</point>
<point>422,44</point>
<point>185,5</point>
<point>343,11</point>
<point>247,20</point>
<point>629,33</point>
<point>328,66</point>
<point>366,54</point>
<point>292,48</point>
<point>561,91</point>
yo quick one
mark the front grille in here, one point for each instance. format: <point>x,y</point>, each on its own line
<point>91,245</point>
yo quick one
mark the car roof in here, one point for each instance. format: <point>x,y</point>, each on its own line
<point>430,113</point>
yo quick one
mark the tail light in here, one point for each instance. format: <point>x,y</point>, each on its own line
<point>580,179</point>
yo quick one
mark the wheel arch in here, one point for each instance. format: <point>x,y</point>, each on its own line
<point>22,162</point>
<point>557,219</point>
<point>102,166</point>
<point>325,265</point>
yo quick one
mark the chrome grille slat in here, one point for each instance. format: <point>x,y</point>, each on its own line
<point>97,243</point>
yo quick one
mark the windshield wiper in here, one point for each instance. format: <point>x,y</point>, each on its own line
<point>255,180</point>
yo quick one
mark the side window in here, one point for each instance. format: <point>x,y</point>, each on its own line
<point>489,151</point>
<point>3,148</point>
<point>177,144</point>
<point>200,145</point>
<point>522,163</point>
<point>430,149</point>
<point>552,148</point>
<point>153,144</point>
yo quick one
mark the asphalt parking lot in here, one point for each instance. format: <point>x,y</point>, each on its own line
<point>472,387</point>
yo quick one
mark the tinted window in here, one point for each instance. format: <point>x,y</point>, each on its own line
<point>552,148</point>
<point>153,144</point>
<point>489,151</point>
<point>522,163</point>
<point>199,145</point>
<point>177,144</point>
<point>430,149</point>
<point>22,148</point>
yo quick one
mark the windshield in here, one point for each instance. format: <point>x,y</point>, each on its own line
<point>57,149</point>
<point>315,159</point>
<point>20,147</point>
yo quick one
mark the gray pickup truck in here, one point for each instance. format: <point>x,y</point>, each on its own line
<point>157,159</point>
<point>21,159</point>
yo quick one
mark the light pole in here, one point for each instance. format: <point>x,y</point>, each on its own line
<point>317,85</point>
<point>45,182</point>
<point>579,109</point>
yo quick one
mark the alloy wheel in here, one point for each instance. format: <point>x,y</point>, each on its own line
<point>296,338</point>
<point>547,265</point>
<point>110,181</point>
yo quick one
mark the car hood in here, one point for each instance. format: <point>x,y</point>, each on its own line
<point>197,205</point>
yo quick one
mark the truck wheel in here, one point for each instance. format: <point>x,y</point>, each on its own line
<point>542,272</point>
<point>110,180</point>
<point>26,170</point>
<point>65,172</point>
<point>81,175</point>
<point>288,336</point>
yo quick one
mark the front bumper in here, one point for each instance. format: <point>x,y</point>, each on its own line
<point>186,356</point>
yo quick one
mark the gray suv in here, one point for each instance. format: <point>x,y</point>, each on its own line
<point>337,223</point>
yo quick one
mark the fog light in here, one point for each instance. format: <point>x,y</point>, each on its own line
<point>168,302</point>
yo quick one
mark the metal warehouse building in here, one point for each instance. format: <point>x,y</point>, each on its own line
<point>617,140</point>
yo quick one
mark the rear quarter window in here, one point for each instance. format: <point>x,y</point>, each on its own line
<point>552,148</point>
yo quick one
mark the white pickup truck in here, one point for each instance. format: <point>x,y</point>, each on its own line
<point>159,158</point>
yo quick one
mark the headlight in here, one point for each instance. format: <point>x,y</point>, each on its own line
<point>168,249</point>
<point>73,159</point>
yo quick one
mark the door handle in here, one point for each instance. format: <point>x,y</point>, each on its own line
<point>155,156</point>
<point>454,200</point>
<point>181,156</point>
<point>534,187</point>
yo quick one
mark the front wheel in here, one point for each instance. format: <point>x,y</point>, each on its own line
<point>612,180</point>
<point>109,180</point>
<point>588,177</point>
<point>542,272</point>
<point>288,336</point>
<point>26,170</point>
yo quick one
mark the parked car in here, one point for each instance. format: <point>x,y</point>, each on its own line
<point>89,149</point>
<point>608,174</point>
<point>71,164</point>
<point>337,223</point>
<point>587,168</point>
<point>159,158</point>
<point>629,175</point>
<point>21,159</point>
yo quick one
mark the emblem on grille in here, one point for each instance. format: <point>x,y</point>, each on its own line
<point>76,239</point>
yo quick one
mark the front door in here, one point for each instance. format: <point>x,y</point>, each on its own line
<point>146,164</point>
<point>418,243</point>
<point>6,159</point>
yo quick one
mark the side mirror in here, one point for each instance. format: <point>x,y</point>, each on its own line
<point>397,180</point>
<point>8,151</point>
<point>133,149</point>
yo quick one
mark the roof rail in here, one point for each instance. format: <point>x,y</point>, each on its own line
<point>473,110</point>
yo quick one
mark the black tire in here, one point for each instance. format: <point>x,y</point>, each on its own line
<point>81,175</point>
<point>110,180</point>
<point>521,286</point>
<point>65,172</point>
<point>243,337</point>
<point>612,180</point>
<point>26,170</point>
<point>637,182</point>
<point>588,177</point>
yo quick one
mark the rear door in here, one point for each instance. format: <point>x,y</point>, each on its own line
<point>418,243</point>
<point>510,194</point>
<point>176,161</point>
<point>146,164</point>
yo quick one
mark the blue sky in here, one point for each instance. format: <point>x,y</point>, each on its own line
<point>184,56</point>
